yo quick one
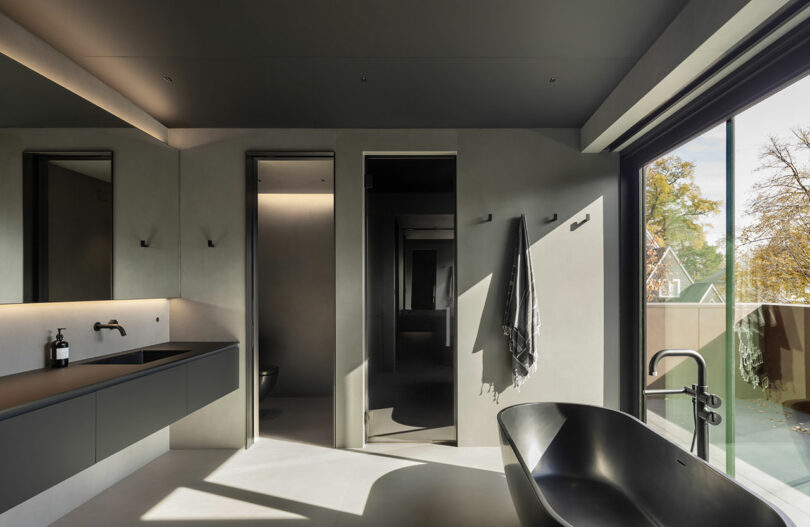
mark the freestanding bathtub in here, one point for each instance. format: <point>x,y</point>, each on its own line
<point>578,465</point>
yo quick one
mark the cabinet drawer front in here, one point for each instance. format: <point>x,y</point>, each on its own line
<point>212,377</point>
<point>41,448</point>
<point>128,412</point>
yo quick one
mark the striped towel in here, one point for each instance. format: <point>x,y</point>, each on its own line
<point>521,321</point>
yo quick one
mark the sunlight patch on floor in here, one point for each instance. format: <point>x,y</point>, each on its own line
<point>308,474</point>
<point>285,483</point>
<point>190,504</point>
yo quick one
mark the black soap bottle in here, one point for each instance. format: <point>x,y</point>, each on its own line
<point>60,349</point>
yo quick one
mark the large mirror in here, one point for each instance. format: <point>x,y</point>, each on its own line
<point>89,206</point>
<point>67,226</point>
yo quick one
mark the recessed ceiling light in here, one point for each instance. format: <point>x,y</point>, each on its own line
<point>363,78</point>
<point>323,181</point>
<point>167,78</point>
<point>552,80</point>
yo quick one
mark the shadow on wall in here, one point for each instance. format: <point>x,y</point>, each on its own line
<point>195,321</point>
<point>418,493</point>
<point>490,341</point>
<point>497,374</point>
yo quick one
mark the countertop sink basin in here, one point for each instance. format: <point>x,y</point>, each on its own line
<point>139,356</point>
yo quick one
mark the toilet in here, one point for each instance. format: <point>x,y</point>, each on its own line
<point>268,376</point>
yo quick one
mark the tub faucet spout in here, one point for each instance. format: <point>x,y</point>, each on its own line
<point>701,398</point>
<point>701,363</point>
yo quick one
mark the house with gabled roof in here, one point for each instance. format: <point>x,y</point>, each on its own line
<point>673,280</point>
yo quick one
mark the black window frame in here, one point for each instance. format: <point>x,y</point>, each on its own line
<point>782,63</point>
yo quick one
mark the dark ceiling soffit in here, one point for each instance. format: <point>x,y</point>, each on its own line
<point>765,29</point>
<point>782,63</point>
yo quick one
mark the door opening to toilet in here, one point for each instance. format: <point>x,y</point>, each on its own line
<point>294,274</point>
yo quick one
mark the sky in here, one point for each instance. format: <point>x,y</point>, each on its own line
<point>775,115</point>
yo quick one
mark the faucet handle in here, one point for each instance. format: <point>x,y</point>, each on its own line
<point>713,401</point>
<point>713,418</point>
<point>709,399</point>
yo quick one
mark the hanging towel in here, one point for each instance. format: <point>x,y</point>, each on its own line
<point>521,321</point>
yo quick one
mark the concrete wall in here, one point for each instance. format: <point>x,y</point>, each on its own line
<point>26,330</point>
<point>145,187</point>
<point>539,173</point>
<point>296,271</point>
<point>504,172</point>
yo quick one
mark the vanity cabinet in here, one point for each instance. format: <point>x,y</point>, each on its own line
<point>210,379</point>
<point>128,412</point>
<point>47,444</point>
<point>41,448</point>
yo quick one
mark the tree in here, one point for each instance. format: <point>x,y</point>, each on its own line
<point>774,249</point>
<point>675,213</point>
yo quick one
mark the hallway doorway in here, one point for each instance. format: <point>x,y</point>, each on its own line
<point>411,298</point>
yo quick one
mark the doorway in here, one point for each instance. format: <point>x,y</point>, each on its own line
<point>410,298</point>
<point>292,271</point>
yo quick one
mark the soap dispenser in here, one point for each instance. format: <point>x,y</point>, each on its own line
<point>60,349</point>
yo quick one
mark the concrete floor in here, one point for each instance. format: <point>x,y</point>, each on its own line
<point>300,419</point>
<point>412,404</point>
<point>283,483</point>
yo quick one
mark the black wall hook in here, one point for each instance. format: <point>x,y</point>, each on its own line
<point>552,219</point>
<point>211,243</point>
<point>144,243</point>
<point>577,225</point>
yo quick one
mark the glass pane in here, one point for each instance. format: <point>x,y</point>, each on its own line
<point>772,217</point>
<point>685,280</point>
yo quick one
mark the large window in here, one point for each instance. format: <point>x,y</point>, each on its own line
<point>736,237</point>
<point>685,226</point>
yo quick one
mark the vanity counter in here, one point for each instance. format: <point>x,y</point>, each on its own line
<point>31,390</point>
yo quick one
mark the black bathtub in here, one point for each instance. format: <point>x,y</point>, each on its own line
<point>578,465</point>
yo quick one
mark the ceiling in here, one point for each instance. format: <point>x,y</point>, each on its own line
<point>426,63</point>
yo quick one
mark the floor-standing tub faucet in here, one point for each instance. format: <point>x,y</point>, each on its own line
<point>701,398</point>
<point>112,324</point>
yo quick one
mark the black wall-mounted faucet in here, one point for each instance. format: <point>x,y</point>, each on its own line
<point>112,324</point>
